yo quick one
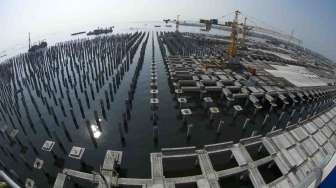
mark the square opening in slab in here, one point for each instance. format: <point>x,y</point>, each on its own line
<point>186,112</point>
<point>186,185</point>
<point>240,180</point>
<point>48,145</point>
<point>76,152</point>
<point>182,100</point>
<point>257,151</point>
<point>181,166</point>
<point>270,172</point>
<point>223,160</point>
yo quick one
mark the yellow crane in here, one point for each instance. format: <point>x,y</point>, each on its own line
<point>232,51</point>
<point>236,28</point>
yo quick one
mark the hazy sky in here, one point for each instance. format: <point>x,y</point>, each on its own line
<point>313,20</point>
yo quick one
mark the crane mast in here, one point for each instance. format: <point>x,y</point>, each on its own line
<point>177,23</point>
<point>232,51</point>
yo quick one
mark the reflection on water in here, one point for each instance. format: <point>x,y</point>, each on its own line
<point>95,130</point>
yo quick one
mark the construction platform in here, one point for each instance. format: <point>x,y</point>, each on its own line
<point>303,153</point>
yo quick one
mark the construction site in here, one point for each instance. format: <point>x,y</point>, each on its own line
<point>165,107</point>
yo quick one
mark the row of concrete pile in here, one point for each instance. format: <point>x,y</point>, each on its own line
<point>43,92</point>
<point>187,44</point>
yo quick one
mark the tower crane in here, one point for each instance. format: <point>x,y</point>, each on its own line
<point>235,28</point>
<point>232,50</point>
